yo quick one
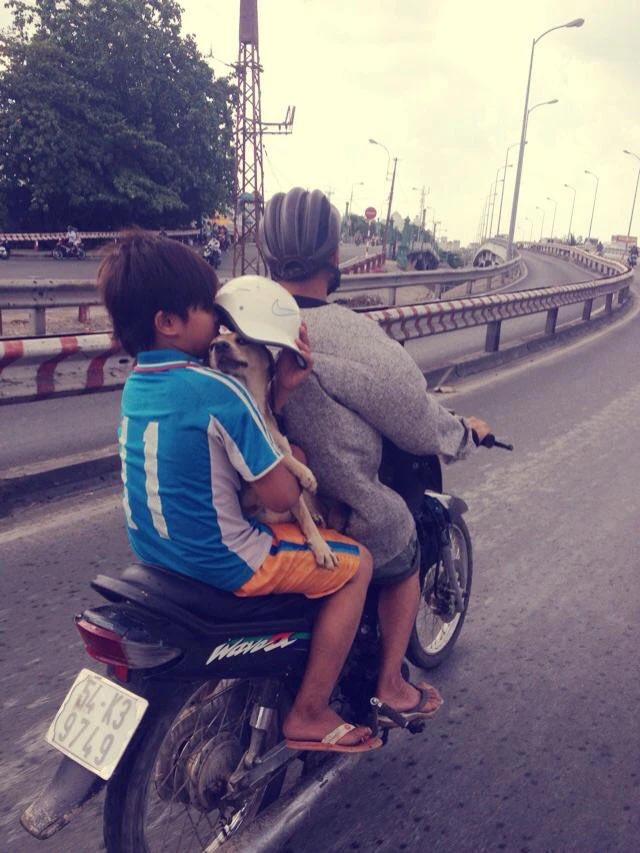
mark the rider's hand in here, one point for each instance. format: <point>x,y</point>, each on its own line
<point>289,373</point>
<point>481,427</point>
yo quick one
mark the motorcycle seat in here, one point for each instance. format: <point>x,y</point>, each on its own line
<point>201,606</point>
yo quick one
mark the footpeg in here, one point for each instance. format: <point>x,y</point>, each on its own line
<point>387,711</point>
<point>414,727</point>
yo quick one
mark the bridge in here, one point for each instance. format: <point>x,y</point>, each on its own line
<point>540,709</point>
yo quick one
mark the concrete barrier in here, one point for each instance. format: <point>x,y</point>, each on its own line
<point>37,368</point>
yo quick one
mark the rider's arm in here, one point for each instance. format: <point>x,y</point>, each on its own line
<point>387,389</point>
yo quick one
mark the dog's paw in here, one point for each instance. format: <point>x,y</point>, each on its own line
<point>307,480</point>
<point>325,557</point>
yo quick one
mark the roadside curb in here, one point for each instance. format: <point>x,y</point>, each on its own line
<point>26,480</point>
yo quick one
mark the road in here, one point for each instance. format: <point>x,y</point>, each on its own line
<point>55,428</point>
<point>538,745</point>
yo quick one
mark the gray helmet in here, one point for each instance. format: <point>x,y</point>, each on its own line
<point>299,233</point>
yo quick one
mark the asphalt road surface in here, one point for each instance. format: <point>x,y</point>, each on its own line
<point>49,429</point>
<point>537,747</point>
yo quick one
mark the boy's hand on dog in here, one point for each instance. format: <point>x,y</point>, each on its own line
<point>289,374</point>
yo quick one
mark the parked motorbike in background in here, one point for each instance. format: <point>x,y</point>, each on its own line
<point>212,253</point>
<point>64,249</point>
<point>5,250</point>
<point>185,728</point>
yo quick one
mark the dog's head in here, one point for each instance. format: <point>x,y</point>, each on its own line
<point>250,362</point>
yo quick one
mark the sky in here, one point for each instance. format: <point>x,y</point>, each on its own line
<point>441,84</point>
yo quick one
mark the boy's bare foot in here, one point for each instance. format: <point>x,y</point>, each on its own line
<point>314,727</point>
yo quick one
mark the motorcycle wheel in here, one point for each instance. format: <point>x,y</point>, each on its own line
<point>81,254</point>
<point>58,254</point>
<point>433,638</point>
<point>163,795</point>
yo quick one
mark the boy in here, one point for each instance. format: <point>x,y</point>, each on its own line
<point>187,436</point>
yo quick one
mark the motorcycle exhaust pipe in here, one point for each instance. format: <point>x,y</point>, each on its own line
<point>267,832</point>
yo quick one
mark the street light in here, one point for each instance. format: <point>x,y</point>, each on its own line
<point>595,195</point>
<point>541,104</point>
<point>506,161</point>
<point>493,207</point>
<point>542,221</point>
<point>349,210</point>
<point>573,204</point>
<point>553,223</point>
<point>633,206</point>
<point>393,181</point>
<point>577,22</point>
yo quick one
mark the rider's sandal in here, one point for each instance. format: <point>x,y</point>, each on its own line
<point>426,693</point>
<point>329,743</point>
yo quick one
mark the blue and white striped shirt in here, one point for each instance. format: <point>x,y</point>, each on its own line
<point>188,435</point>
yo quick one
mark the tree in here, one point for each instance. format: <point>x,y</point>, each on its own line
<point>109,116</point>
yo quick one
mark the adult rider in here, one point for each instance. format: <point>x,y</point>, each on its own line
<point>363,386</point>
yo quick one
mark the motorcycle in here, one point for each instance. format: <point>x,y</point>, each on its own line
<point>64,249</point>
<point>5,251</point>
<point>212,253</point>
<point>184,729</point>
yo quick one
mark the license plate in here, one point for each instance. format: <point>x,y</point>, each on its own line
<point>95,722</point>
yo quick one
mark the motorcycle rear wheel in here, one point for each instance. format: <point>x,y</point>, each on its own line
<point>150,802</point>
<point>433,638</point>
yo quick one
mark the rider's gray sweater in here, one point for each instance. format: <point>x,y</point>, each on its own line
<point>365,385</point>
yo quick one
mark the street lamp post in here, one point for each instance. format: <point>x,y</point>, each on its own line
<point>578,22</point>
<point>350,204</point>
<point>573,204</point>
<point>633,206</point>
<point>393,182</point>
<point>502,181</point>
<point>595,195</point>
<point>553,222</point>
<point>506,162</point>
<point>541,221</point>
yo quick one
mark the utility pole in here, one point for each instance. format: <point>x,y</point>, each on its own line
<point>249,130</point>
<point>386,225</point>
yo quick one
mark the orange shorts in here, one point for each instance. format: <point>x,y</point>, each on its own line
<point>291,566</point>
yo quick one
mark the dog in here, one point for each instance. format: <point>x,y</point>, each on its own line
<point>254,366</point>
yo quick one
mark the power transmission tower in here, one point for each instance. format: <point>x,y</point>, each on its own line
<point>249,130</point>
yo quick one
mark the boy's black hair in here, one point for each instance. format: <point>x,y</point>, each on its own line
<point>146,273</point>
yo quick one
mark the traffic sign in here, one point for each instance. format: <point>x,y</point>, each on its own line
<point>370,213</point>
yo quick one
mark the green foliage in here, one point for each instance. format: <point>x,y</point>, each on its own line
<point>109,116</point>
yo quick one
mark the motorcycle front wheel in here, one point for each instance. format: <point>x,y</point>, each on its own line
<point>58,254</point>
<point>164,795</point>
<point>434,636</point>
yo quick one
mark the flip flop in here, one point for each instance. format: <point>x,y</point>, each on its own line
<point>329,743</point>
<point>426,693</point>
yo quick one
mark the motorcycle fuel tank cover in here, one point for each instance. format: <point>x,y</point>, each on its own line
<point>251,645</point>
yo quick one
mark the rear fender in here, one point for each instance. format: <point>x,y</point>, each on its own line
<point>71,788</point>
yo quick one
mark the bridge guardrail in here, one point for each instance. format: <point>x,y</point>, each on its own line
<point>38,296</point>
<point>42,367</point>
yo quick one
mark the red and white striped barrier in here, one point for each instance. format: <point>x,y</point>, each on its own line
<point>40,367</point>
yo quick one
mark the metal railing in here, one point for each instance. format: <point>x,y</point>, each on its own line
<point>42,367</point>
<point>38,296</point>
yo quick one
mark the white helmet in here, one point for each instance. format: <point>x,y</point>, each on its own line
<point>261,310</point>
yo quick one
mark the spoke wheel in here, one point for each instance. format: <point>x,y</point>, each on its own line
<point>433,635</point>
<point>165,795</point>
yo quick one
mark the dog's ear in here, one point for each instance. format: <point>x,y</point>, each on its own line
<point>272,365</point>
